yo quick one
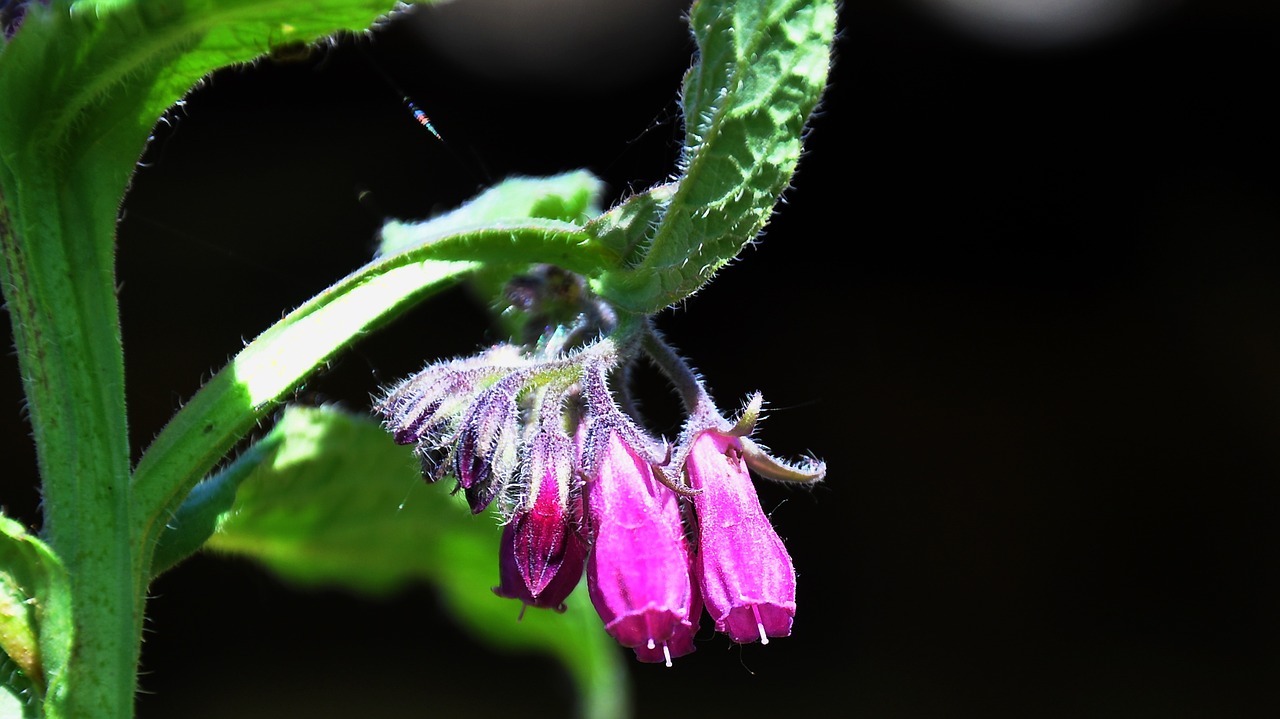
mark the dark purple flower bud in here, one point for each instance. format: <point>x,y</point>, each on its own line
<point>11,15</point>
<point>638,570</point>
<point>561,572</point>
<point>425,408</point>
<point>541,556</point>
<point>486,452</point>
<point>424,413</point>
<point>435,461</point>
<point>746,575</point>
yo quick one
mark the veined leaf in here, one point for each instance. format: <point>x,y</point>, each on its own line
<point>338,503</point>
<point>762,67</point>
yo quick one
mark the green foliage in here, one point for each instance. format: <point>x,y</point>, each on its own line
<point>35,619</point>
<point>198,516</point>
<point>565,201</point>
<point>762,67</point>
<point>334,501</point>
<point>82,85</point>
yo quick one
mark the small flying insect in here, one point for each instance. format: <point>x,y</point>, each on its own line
<point>421,117</point>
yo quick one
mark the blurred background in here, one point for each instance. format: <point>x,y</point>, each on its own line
<point>1022,298</point>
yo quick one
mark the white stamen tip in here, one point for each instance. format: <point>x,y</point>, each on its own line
<point>651,644</point>
<point>764,638</point>
<point>666,653</point>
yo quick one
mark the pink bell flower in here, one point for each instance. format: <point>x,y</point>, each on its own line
<point>745,572</point>
<point>638,572</point>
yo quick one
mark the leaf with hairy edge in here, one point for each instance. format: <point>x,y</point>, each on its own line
<point>625,228</point>
<point>762,67</point>
<point>552,209</point>
<point>570,198</point>
<point>35,617</point>
<point>198,516</point>
<point>338,503</point>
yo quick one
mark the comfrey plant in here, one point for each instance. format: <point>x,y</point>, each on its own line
<point>580,483</point>
<point>541,428</point>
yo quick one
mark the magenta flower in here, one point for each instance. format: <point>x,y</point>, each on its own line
<point>541,556</point>
<point>681,641</point>
<point>638,571</point>
<point>745,573</point>
<point>659,531</point>
<point>540,561</point>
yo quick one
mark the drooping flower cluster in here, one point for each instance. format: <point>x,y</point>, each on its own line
<point>659,531</point>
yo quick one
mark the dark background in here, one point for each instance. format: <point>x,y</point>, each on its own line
<point>1022,297</point>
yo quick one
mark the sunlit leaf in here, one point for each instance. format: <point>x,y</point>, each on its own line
<point>338,503</point>
<point>761,69</point>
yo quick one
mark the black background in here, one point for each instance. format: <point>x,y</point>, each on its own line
<point>1021,298</point>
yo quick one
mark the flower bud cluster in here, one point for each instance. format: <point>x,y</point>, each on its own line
<point>660,532</point>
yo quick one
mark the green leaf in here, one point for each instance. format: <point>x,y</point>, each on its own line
<point>18,629</point>
<point>82,86</point>
<point>85,82</point>
<point>195,521</point>
<point>337,502</point>
<point>239,395</point>
<point>565,202</point>
<point>762,67</point>
<point>418,260</point>
<point>625,228</point>
<point>570,198</point>
<point>504,244</point>
<point>15,692</point>
<point>35,617</point>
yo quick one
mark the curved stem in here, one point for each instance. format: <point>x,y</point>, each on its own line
<point>242,393</point>
<point>674,368</point>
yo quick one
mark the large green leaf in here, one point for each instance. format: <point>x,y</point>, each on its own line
<point>337,502</point>
<point>762,67</point>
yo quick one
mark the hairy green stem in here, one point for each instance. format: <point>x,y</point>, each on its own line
<point>67,332</point>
